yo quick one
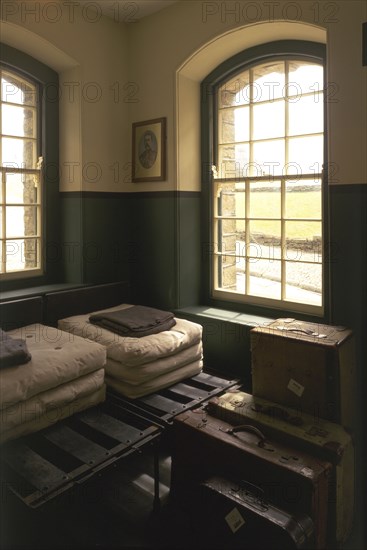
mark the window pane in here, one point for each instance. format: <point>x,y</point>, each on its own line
<point>305,77</point>
<point>18,121</point>
<point>303,283</point>
<point>265,276</point>
<point>22,254</point>
<point>19,153</point>
<point>269,81</point>
<point>21,221</point>
<point>233,160</point>
<point>265,199</point>
<point>15,89</point>
<point>230,272</point>
<point>306,115</point>
<point>268,158</point>
<point>235,92</point>
<point>21,188</point>
<point>233,125</point>
<point>265,239</point>
<point>230,235</point>
<point>306,154</point>
<point>303,199</point>
<point>303,241</point>
<point>230,200</point>
<point>268,120</point>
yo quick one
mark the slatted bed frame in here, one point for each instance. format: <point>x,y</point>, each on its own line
<point>41,466</point>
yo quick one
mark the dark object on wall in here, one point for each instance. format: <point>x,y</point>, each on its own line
<point>204,446</point>
<point>149,150</point>
<point>364,44</point>
<point>307,366</point>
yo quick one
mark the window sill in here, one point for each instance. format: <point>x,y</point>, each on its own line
<point>29,292</point>
<point>225,315</point>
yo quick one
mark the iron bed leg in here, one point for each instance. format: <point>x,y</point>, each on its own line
<point>156,501</point>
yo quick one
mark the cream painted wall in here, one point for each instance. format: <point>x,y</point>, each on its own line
<point>113,74</point>
<point>187,40</point>
<point>90,53</point>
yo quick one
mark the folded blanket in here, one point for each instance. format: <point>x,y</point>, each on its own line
<point>13,351</point>
<point>136,321</point>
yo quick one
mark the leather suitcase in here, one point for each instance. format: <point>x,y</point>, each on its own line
<point>306,366</point>
<point>320,438</point>
<point>230,514</point>
<point>204,446</point>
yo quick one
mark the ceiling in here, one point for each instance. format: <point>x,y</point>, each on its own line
<point>128,11</point>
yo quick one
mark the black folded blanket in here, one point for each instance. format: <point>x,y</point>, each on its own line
<point>135,321</point>
<point>13,351</point>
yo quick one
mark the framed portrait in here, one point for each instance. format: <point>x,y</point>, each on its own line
<point>149,150</point>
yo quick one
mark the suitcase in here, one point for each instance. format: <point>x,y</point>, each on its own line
<point>320,438</point>
<point>230,514</point>
<point>305,366</point>
<point>204,446</point>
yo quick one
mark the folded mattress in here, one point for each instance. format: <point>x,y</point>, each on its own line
<point>58,357</point>
<point>65,375</point>
<point>148,371</point>
<point>135,351</point>
<point>134,391</point>
<point>33,416</point>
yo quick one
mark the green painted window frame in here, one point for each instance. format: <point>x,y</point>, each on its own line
<point>284,49</point>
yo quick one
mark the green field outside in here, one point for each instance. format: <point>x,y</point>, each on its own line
<point>299,205</point>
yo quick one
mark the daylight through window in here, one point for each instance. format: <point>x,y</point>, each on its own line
<point>20,167</point>
<point>267,178</point>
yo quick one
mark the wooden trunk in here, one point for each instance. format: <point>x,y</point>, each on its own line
<point>307,366</point>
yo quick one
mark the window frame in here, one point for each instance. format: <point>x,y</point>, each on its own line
<point>269,52</point>
<point>47,80</point>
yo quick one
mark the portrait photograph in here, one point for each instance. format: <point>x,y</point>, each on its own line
<point>149,150</point>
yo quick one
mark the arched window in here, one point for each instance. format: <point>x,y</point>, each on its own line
<point>264,147</point>
<point>29,170</point>
<point>21,186</point>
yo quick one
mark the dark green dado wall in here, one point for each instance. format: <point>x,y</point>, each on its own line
<point>153,240</point>
<point>150,239</point>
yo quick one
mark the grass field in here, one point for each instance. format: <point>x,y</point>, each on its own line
<point>300,205</point>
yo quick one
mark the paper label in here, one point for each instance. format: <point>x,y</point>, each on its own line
<point>295,387</point>
<point>234,520</point>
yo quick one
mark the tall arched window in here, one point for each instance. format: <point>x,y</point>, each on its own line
<point>29,170</point>
<point>264,149</point>
<point>21,186</point>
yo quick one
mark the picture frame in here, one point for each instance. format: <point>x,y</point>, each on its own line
<point>149,150</point>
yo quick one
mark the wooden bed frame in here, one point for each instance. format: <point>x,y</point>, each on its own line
<point>94,439</point>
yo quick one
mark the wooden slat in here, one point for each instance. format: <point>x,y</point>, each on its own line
<point>114,428</point>
<point>162,403</point>
<point>214,381</point>
<point>188,391</point>
<point>40,473</point>
<point>76,444</point>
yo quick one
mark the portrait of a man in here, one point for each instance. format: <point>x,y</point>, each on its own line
<point>148,149</point>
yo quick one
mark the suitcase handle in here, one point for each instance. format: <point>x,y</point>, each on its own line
<point>248,428</point>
